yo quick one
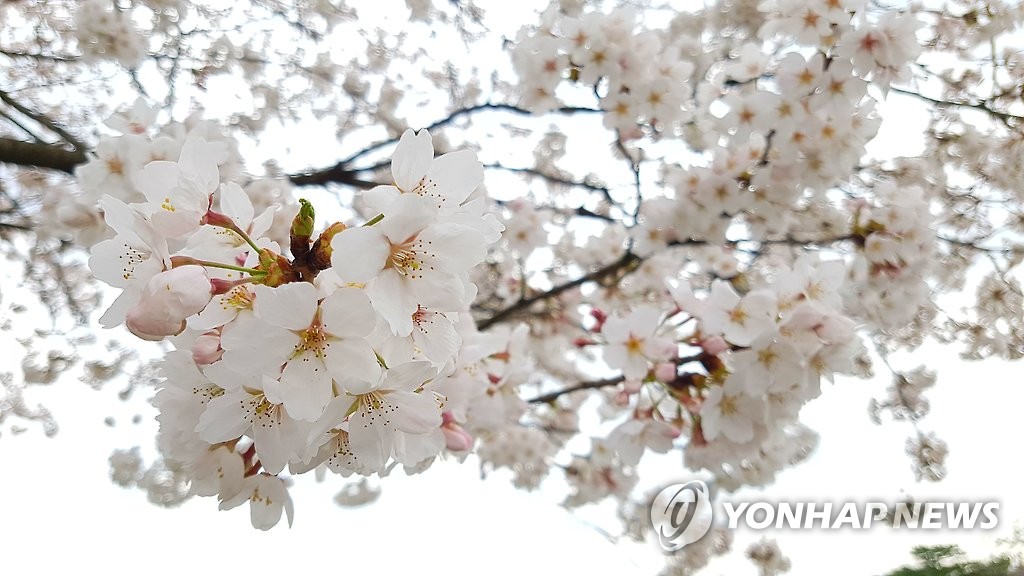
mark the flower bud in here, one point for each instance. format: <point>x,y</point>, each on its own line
<point>206,349</point>
<point>714,345</point>
<point>665,372</point>
<point>167,300</point>
<point>455,437</point>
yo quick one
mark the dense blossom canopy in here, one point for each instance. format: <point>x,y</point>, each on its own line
<point>370,238</point>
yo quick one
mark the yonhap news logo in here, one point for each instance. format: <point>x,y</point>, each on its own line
<point>682,514</point>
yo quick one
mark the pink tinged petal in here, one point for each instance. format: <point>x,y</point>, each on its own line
<point>394,300</point>
<point>235,203</point>
<point>290,306</point>
<point>455,176</point>
<point>456,438</point>
<point>415,413</point>
<point>347,313</point>
<point>370,441</point>
<point>359,254</point>
<point>349,361</point>
<point>412,159</point>
<point>167,300</point>
<point>305,387</point>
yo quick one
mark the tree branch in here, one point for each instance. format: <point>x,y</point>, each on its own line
<point>50,156</point>
<point>342,169</point>
<point>44,121</point>
<point>623,263</point>
<point>551,396</point>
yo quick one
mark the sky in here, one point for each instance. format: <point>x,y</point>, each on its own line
<point>60,514</point>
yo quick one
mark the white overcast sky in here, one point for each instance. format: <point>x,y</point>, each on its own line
<point>59,513</point>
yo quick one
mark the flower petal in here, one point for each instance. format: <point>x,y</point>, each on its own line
<point>412,159</point>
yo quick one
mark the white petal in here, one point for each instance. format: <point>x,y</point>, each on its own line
<point>290,306</point>
<point>235,203</point>
<point>348,313</point>
<point>405,217</point>
<point>412,159</point>
<point>409,376</point>
<point>456,175</point>
<point>359,254</point>
<point>159,180</point>
<point>378,198</point>
<point>370,443</point>
<point>415,413</point>
<point>306,387</point>
<point>351,360</point>
<point>223,419</point>
<point>394,300</point>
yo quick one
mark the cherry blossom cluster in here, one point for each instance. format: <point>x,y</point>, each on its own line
<point>136,139</point>
<point>646,80</point>
<point>104,30</point>
<point>889,272</point>
<point>347,354</point>
<point>760,355</point>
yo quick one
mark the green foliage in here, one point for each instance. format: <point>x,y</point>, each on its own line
<point>949,561</point>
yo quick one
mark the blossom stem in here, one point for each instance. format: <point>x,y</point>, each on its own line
<point>222,221</point>
<point>374,220</point>
<point>251,271</point>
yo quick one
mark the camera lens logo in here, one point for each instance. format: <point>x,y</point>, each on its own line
<point>681,514</point>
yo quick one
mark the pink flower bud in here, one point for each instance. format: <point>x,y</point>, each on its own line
<point>206,349</point>
<point>665,372</point>
<point>632,385</point>
<point>621,399</point>
<point>456,438</point>
<point>714,345</point>
<point>167,300</point>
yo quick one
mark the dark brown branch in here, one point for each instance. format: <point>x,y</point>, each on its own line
<point>337,174</point>
<point>626,261</point>
<point>549,177</point>
<point>344,171</point>
<point>551,396</point>
<point>626,264</point>
<point>1010,120</point>
<point>35,56</point>
<point>43,120</point>
<point>40,155</point>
